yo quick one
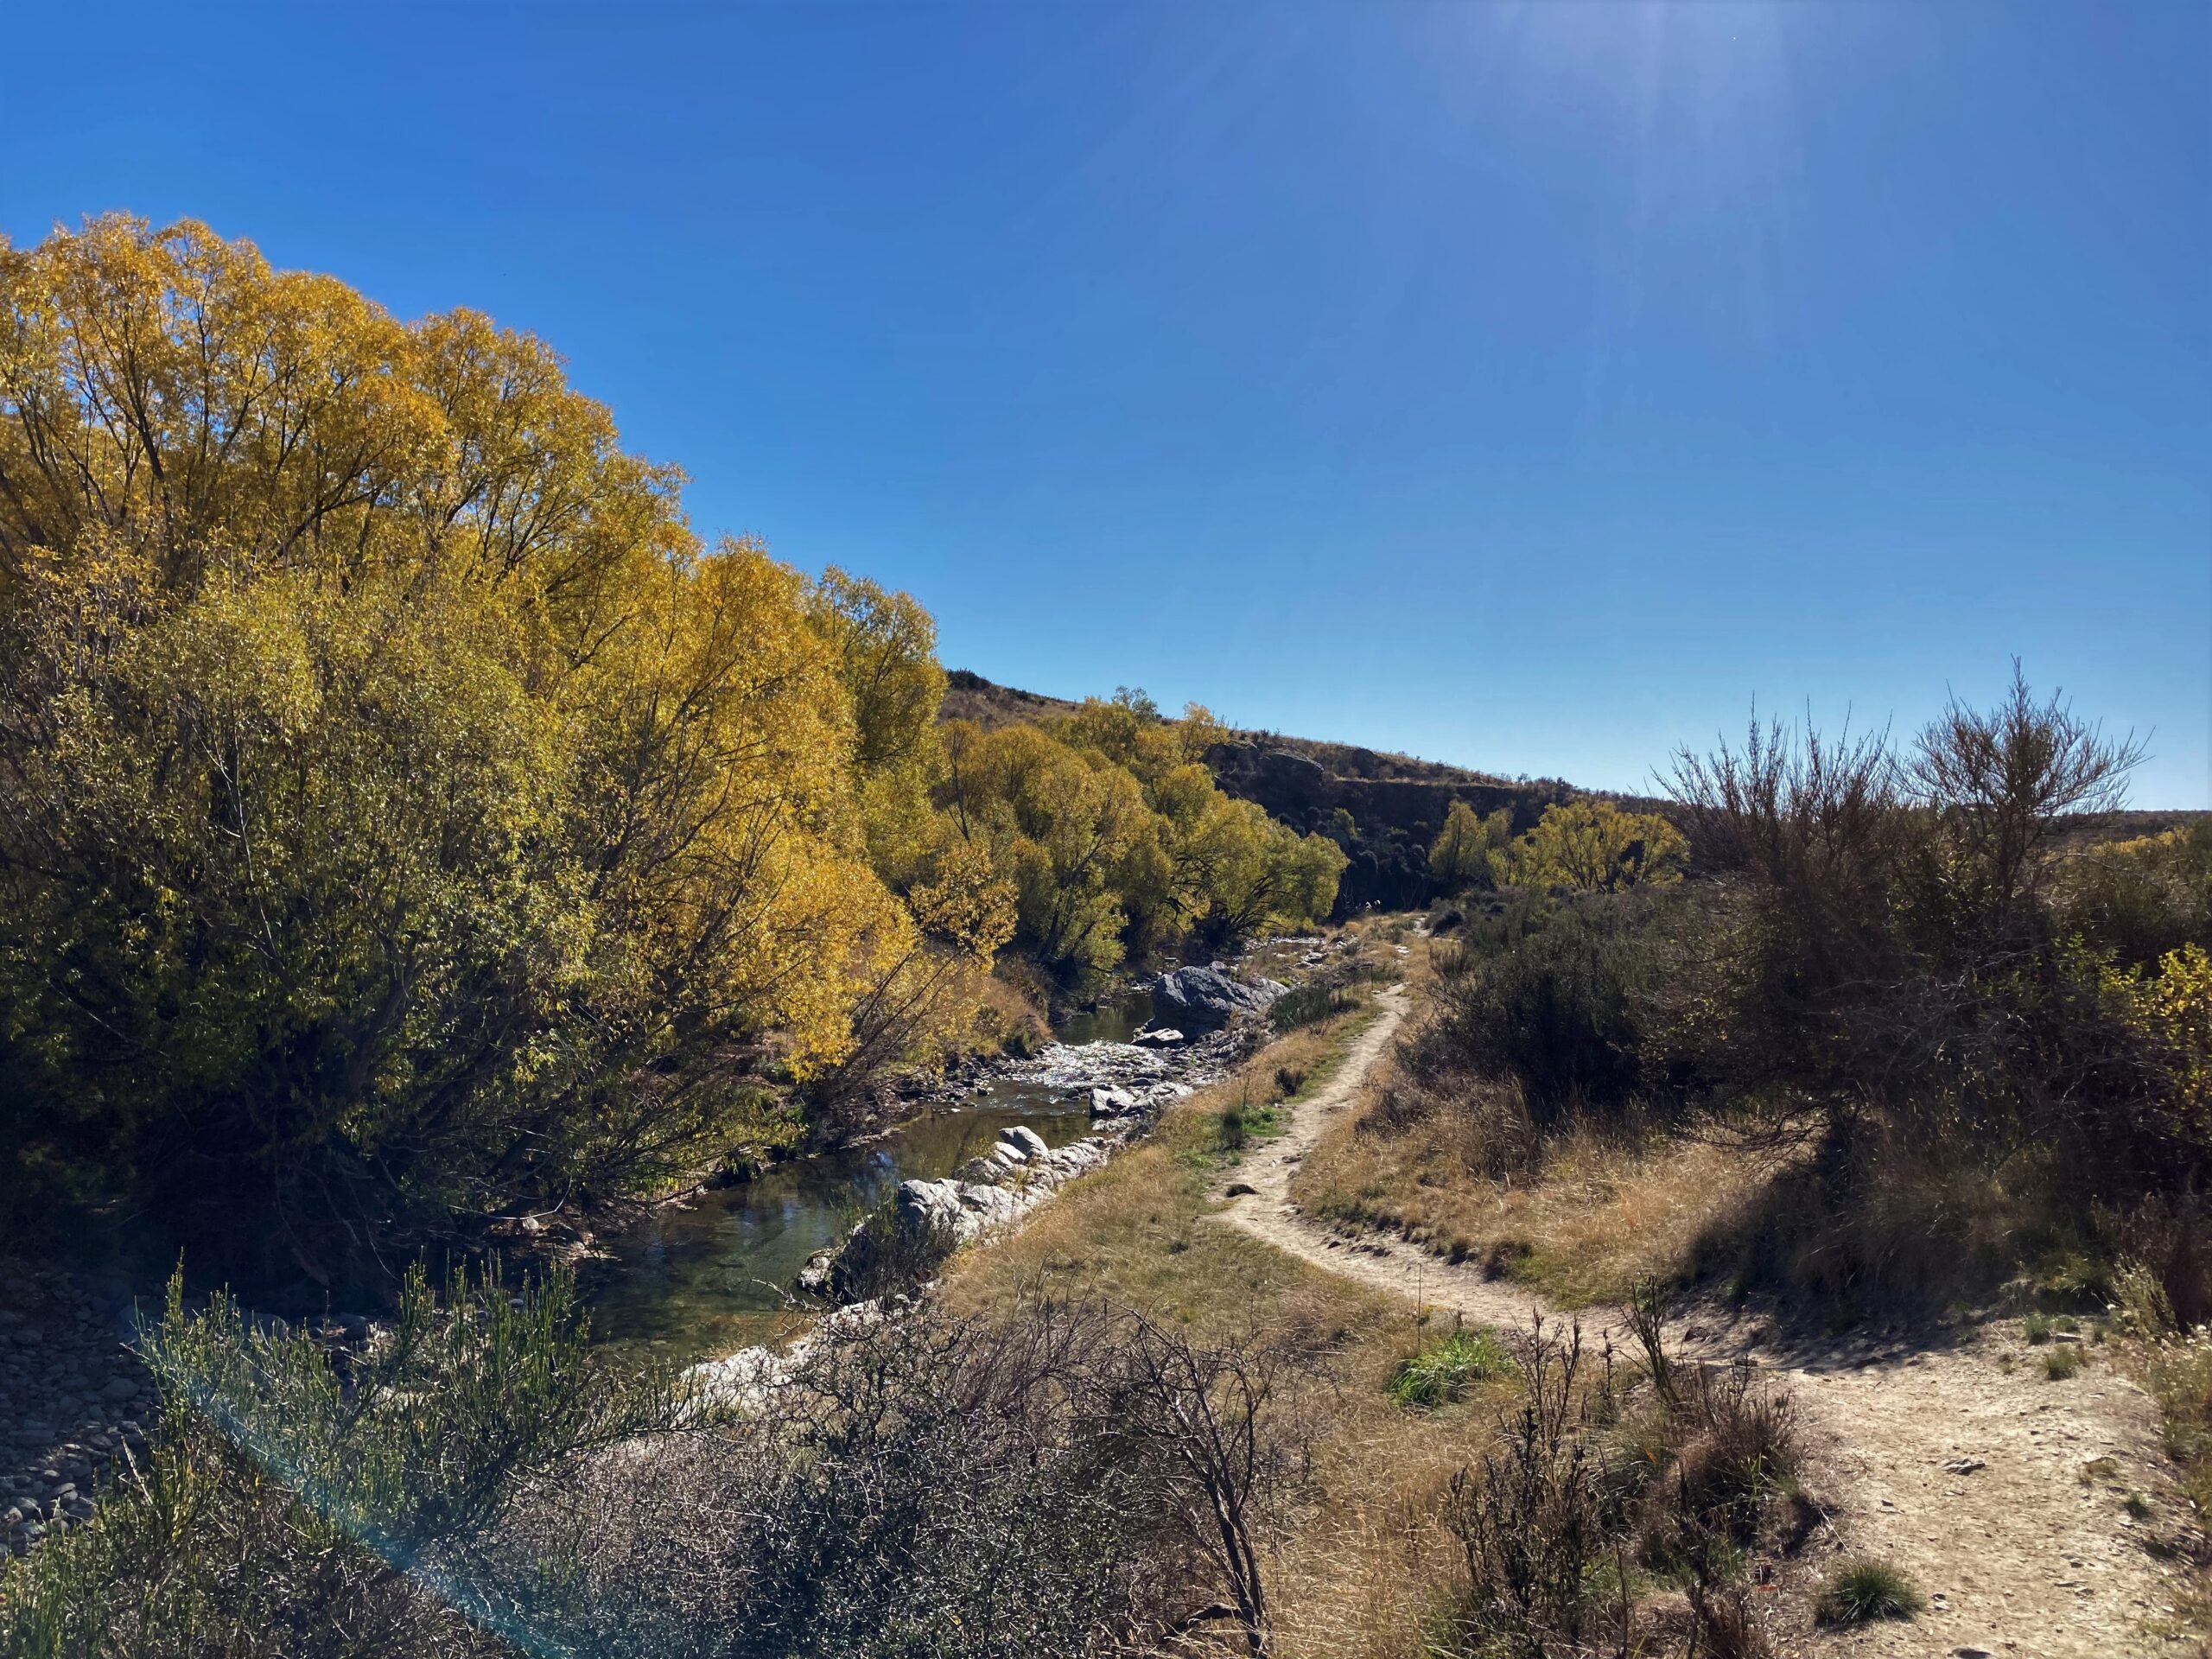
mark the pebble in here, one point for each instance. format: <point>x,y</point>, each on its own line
<point>63,1379</point>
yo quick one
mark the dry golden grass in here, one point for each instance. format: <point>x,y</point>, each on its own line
<point>1357,1575</point>
<point>1133,1233</point>
<point>1604,1210</point>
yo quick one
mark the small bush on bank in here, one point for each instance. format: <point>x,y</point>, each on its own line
<point>1310,1004</point>
<point>1065,1480</point>
<point>1862,1590</point>
<point>1558,995</point>
<point>2179,1372</point>
<point>1682,1469</point>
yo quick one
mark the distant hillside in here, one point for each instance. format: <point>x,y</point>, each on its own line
<point>1397,804</point>
<point>971,697</point>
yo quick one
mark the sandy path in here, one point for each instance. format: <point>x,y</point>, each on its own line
<point>2021,1557</point>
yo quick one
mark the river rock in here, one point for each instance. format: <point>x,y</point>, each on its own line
<point>927,1220</point>
<point>1159,1037</point>
<point>1212,995</point>
<point>1112,1102</point>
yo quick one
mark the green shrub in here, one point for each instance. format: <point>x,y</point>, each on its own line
<point>1234,1131</point>
<point>1309,1004</point>
<point>1860,1591</point>
<point>1443,1371</point>
<point>2062,1362</point>
<point>1563,996</point>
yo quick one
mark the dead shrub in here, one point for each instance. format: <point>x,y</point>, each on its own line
<point>1679,1468</point>
<point>1530,1521</point>
<point>1729,1438</point>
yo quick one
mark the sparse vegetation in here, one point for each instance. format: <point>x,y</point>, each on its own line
<point>1862,1590</point>
<point>1441,1373</point>
<point>1056,1479</point>
<point>1870,1014</point>
<point>1595,1478</point>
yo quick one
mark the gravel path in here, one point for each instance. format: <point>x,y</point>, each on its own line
<point>1997,1490</point>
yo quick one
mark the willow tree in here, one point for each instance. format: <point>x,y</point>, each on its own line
<point>1594,847</point>
<point>400,811</point>
<point>1467,850</point>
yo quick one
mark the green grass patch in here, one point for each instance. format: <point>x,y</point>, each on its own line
<point>1862,1590</point>
<point>2062,1363</point>
<point>1443,1372</point>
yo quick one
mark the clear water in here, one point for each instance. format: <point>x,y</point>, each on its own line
<point>1113,1022</point>
<point>715,1275</point>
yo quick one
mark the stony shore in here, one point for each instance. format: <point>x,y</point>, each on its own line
<point>72,1397</point>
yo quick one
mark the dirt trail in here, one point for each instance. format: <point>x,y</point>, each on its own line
<point>2026,1555</point>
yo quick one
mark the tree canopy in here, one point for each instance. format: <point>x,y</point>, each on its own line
<point>403,813</point>
<point>1592,846</point>
<point>398,806</point>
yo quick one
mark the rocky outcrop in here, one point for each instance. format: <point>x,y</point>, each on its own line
<point>927,1221</point>
<point>1211,996</point>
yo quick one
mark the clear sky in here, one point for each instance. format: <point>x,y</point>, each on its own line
<point>1529,386</point>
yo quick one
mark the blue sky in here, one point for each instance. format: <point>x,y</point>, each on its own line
<point>1529,386</point>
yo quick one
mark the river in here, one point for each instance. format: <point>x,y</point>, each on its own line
<point>714,1274</point>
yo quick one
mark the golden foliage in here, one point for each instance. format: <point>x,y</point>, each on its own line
<point>1113,834</point>
<point>1594,847</point>
<point>1466,850</point>
<point>393,793</point>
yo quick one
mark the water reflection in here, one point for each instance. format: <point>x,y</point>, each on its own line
<point>713,1276</point>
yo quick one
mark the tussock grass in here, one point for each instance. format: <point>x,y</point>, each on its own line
<point>1442,1372</point>
<point>1858,1591</point>
<point>1606,1209</point>
<point>2179,1372</point>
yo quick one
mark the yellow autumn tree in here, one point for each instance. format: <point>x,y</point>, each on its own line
<point>1073,838</point>
<point>1593,846</point>
<point>1118,840</point>
<point>400,811</point>
<point>1464,852</point>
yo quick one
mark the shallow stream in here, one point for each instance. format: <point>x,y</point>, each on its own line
<point>715,1273</point>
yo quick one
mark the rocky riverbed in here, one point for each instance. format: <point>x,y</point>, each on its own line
<point>72,1398</point>
<point>1127,1085</point>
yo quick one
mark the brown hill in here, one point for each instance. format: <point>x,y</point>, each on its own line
<point>1395,802</point>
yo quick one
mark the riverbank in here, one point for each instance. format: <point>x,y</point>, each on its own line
<point>73,1397</point>
<point>721,1269</point>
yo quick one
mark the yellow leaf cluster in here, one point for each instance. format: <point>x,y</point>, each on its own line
<point>393,790</point>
